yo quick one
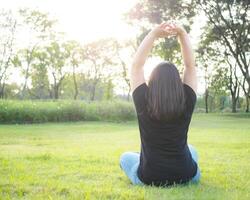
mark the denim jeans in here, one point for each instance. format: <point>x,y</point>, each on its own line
<point>129,162</point>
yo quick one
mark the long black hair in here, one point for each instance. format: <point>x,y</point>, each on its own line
<point>166,97</point>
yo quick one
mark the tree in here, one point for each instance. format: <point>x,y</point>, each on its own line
<point>25,59</point>
<point>11,91</point>
<point>224,77</point>
<point>206,65</point>
<point>207,83</point>
<point>57,56</point>
<point>39,76</point>
<point>76,57</point>
<point>233,82</point>
<point>99,56</point>
<point>104,88</point>
<point>108,89</point>
<point>246,91</point>
<point>148,13</point>
<point>39,26</point>
<point>230,23</point>
<point>124,52</point>
<point>8,26</point>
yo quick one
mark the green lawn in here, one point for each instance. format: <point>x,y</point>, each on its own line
<point>81,161</point>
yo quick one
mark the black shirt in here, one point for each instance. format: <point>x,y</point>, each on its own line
<point>165,157</point>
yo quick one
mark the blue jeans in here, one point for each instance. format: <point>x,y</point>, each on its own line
<point>129,162</point>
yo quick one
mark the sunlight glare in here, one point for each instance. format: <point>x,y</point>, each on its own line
<point>84,20</point>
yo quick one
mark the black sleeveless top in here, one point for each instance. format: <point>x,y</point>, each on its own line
<point>165,157</point>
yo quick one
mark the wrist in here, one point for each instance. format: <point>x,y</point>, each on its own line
<point>182,33</point>
<point>152,34</point>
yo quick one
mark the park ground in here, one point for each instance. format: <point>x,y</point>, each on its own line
<point>81,161</point>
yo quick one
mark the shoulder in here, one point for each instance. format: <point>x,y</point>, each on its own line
<point>189,91</point>
<point>140,97</point>
<point>140,89</point>
<point>191,98</point>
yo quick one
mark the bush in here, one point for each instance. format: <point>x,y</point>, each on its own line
<point>12,111</point>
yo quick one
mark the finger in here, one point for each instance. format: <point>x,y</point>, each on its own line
<point>167,27</point>
<point>162,24</point>
<point>171,32</point>
<point>172,25</point>
<point>168,33</point>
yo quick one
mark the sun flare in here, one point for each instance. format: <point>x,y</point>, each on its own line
<point>84,20</point>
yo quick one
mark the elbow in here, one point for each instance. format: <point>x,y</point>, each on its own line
<point>137,65</point>
<point>190,65</point>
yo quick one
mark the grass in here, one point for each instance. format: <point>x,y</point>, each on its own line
<point>81,161</point>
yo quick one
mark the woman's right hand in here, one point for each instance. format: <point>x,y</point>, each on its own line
<point>163,30</point>
<point>168,29</point>
<point>178,29</point>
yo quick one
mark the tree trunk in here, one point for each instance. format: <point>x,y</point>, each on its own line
<point>234,103</point>
<point>56,91</point>
<point>2,91</point>
<point>50,92</point>
<point>247,104</point>
<point>222,103</point>
<point>25,81</point>
<point>93,91</point>
<point>128,97</point>
<point>75,84</point>
<point>206,99</point>
<point>235,96</point>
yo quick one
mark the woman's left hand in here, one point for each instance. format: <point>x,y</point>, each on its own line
<point>163,30</point>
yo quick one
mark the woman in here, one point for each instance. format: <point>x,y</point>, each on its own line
<point>164,109</point>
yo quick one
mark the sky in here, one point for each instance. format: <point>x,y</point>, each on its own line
<point>85,20</point>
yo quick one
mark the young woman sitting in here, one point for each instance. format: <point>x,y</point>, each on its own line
<point>164,108</point>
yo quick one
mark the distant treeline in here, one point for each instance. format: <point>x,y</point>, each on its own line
<point>51,66</point>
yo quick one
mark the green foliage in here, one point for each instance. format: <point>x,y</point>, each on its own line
<point>148,13</point>
<point>38,21</point>
<point>219,103</point>
<point>39,78</point>
<point>14,111</point>
<point>104,90</point>
<point>59,111</point>
<point>11,91</point>
<point>227,30</point>
<point>8,26</point>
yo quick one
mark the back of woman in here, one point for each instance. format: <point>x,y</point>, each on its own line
<point>164,108</point>
<point>165,158</point>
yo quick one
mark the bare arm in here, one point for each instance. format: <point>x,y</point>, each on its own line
<point>189,77</point>
<point>164,30</point>
<point>137,73</point>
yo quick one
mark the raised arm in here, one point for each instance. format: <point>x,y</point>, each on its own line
<point>189,77</point>
<point>137,72</point>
